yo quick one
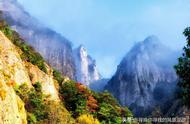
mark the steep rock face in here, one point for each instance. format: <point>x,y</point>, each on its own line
<point>145,77</point>
<point>14,71</point>
<point>53,47</point>
<point>23,72</point>
<point>12,108</point>
<point>11,67</point>
<point>48,86</point>
<point>86,70</point>
<point>11,64</point>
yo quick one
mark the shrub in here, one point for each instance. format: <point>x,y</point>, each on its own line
<point>57,76</point>
<point>34,101</point>
<point>80,100</point>
<point>87,119</point>
<point>22,91</point>
<point>92,104</point>
<point>31,118</point>
<point>7,31</point>
<point>109,110</point>
<point>108,113</point>
<point>74,101</point>
<point>127,112</point>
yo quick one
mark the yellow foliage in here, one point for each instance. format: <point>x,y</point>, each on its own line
<point>87,119</point>
<point>3,94</point>
<point>21,110</point>
<point>1,85</point>
<point>58,113</point>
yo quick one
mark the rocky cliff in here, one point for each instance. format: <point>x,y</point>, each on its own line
<point>11,66</point>
<point>56,49</point>
<point>145,78</point>
<point>86,69</point>
<point>16,72</point>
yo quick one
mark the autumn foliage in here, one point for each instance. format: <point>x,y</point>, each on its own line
<point>92,104</point>
<point>84,104</point>
<point>87,119</point>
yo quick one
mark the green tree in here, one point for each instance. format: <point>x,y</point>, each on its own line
<point>109,110</point>
<point>74,100</point>
<point>33,98</point>
<point>58,76</point>
<point>183,71</point>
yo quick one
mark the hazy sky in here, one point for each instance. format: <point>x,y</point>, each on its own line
<point>108,28</point>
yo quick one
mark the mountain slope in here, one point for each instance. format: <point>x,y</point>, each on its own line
<point>12,108</point>
<point>86,70</point>
<point>56,49</point>
<point>40,94</point>
<point>19,79</point>
<point>145,77</point>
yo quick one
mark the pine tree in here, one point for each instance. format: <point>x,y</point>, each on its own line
<point>183,71</point>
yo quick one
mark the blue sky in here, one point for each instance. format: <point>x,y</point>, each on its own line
<point>109,28</point>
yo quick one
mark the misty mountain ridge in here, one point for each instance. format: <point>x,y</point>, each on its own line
<point>152,48</point>
<point>56,49</point>
<point>145,77</point>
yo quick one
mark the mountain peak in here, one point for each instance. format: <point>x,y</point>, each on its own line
<point>149,49</point>
<point>82,51</point>
<point>149,44</point>
<point>81,47</point>
<point>146,68</point>
<point>86,71</point>
<point>151,40</point>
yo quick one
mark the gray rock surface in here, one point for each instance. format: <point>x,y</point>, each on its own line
<point>145,77</point>
<point>86,69</point>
